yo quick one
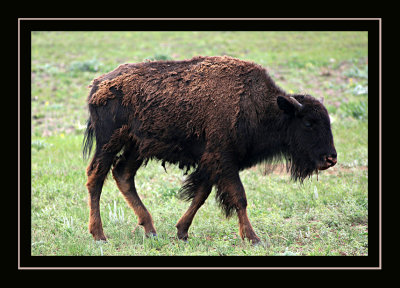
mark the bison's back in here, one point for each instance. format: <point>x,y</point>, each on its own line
<point>176,109</point>
<point>191,95</point>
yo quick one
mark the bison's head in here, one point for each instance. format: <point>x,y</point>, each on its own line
<point>309,137</point>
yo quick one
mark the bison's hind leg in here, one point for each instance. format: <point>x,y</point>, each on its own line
<point>124,173</point>
<point>108,145</point>
<point>97,172</point>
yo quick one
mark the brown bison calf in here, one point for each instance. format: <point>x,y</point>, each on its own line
<point>217,115</point>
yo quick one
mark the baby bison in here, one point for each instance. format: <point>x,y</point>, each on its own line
<point>212,116</point>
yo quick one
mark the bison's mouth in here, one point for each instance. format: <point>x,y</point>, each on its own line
<point>330,161</point>
<point>301,168</point>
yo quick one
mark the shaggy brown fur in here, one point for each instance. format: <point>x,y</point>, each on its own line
<point>218,115</point>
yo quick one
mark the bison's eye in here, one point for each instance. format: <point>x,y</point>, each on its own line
<point>307,123</point>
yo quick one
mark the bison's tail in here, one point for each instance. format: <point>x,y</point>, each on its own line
<point>88,140</point>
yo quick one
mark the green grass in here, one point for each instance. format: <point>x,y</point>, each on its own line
<point>324,217</point>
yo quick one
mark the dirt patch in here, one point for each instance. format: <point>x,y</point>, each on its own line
<point>331,81</point>
<point>346,170</point>
<point>280,169</point>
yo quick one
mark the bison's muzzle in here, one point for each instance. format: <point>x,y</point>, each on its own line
<point>330,161</point>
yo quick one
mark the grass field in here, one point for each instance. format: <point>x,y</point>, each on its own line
<point>328,216</point>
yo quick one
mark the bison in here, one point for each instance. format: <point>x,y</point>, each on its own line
<point>212,116</point>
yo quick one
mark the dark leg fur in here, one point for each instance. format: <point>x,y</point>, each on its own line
<point>197,187</point>
<point>231,194</point>
<point>124,174</point>
<point>192,183</point>
<point>200,192</point>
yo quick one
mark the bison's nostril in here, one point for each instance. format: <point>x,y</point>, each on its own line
<point>331,160</point>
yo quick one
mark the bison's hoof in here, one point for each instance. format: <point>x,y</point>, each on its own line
<point>101,241</point>
<point>183,236</point>
<point>262,243</point>
<point>255,241</point>
<point>100,238</point>
<point>151,235</point>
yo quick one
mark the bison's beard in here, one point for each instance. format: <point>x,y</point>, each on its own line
<point>300,167</point>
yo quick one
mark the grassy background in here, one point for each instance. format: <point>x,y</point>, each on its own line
<point>324,217</point>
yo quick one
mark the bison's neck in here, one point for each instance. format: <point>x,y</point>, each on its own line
<point>268,140</point>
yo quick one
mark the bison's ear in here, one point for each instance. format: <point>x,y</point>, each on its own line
<point>288,104</point>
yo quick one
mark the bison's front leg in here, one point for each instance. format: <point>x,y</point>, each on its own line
<point>245,228</point>
<point>201,193</point>
<point>232,195</point>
